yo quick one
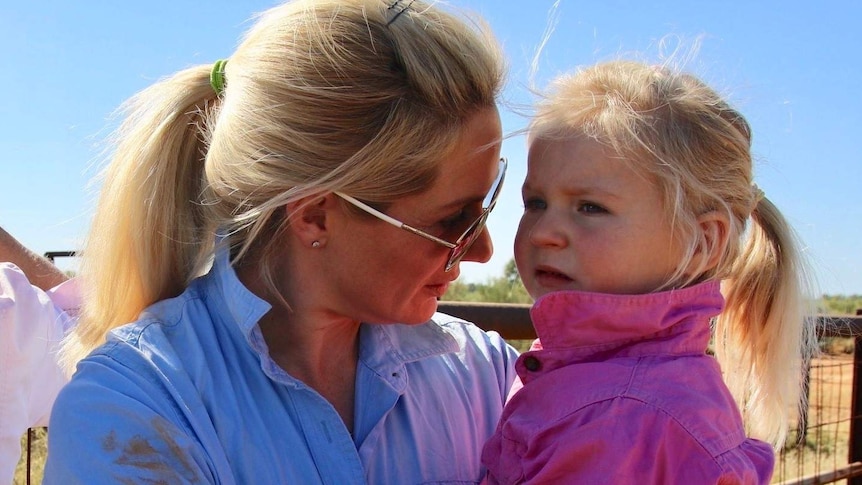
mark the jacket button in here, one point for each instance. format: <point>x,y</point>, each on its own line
<point>532,364</point>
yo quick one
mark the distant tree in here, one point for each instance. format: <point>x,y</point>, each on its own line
<point>840,304</point>
<point>460,291</point>
<point>510,273</point>
<point>507,288</point>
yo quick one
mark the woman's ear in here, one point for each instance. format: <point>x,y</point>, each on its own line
<point>308,219</point>
<point>713,227</point>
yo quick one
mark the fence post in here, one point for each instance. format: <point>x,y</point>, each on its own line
<point>855,444</point>
<point>802,421</point>
<point>29,452</point>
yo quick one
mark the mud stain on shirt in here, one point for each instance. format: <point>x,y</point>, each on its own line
<point>161,461</point>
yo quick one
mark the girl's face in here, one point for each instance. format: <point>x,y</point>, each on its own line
<point>591,223</point>
<point>380,273</point>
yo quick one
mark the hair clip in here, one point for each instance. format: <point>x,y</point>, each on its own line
<point>401,6</point>
<point>217,80</point>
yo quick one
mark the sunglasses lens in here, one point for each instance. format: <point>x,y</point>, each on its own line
<point>466,241</point>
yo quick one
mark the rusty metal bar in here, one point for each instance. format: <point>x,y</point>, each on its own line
<point>51,255</point>
<point>848,471</point>
<point>510,320</point>
<point>840,325</point>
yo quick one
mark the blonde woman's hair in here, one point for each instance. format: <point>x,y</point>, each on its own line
<point>321,95</point>
<point>674,129</point>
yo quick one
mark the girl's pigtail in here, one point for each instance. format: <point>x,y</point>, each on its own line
<point>765,337</point>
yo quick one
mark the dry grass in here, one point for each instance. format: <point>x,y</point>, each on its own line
<point>37,458</point>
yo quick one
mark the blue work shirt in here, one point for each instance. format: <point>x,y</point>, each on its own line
<point>189,394</point>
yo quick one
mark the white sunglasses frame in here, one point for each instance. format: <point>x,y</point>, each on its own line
<point>475,228</point>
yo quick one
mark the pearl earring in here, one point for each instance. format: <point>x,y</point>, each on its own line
<point>315,244</point>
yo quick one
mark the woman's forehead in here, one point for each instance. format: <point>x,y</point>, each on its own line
<point>467,171</point>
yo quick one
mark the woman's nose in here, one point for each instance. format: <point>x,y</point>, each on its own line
<point>482,249</point>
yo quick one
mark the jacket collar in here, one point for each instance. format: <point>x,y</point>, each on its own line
<point>595,322</point>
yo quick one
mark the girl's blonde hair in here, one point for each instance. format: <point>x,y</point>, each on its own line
<point>363,96</point>
<point>696,148</point>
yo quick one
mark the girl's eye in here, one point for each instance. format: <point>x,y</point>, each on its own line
<point>534,204</point>
<point>590,208</point>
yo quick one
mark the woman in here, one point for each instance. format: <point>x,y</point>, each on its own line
<point>347,156</point>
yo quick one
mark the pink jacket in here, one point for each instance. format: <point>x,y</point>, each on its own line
<point>619,389</point>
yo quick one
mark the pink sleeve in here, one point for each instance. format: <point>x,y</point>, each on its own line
<point>32,324</point>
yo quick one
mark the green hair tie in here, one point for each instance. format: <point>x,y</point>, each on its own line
<point>217,80</point>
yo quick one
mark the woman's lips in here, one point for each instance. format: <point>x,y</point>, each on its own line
<point>438,290</point>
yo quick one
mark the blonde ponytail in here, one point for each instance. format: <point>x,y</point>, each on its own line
<point>146,236</point>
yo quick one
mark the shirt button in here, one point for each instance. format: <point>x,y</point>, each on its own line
<point>532,364</point>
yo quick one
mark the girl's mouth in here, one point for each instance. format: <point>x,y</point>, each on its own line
<point>552,277</point>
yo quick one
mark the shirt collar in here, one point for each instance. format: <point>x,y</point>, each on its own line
<point>244,307</point>
<point>385,348</point>
<point>409,343</point>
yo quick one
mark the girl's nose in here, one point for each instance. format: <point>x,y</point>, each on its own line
<point>545,232</point>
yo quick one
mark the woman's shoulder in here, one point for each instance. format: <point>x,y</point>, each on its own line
<point>166,322</point>
<point>167,340</point>
<point>468,334</point>
<point>479,345</point>
<point>457,325</point>
<point>149,331</point>
<point>441,339</point>
<point>152,360</point>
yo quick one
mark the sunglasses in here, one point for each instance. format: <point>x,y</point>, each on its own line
<point>459,248</point>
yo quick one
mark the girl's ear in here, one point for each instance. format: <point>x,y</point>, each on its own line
<point>712,241</point>
<point>308,219</point>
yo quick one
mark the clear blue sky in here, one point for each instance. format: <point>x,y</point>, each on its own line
<point>791,67</point>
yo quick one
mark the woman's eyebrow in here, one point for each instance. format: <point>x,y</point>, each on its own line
<point>456,205</point>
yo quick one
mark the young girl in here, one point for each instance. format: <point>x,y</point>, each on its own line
<point>639,203</point>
